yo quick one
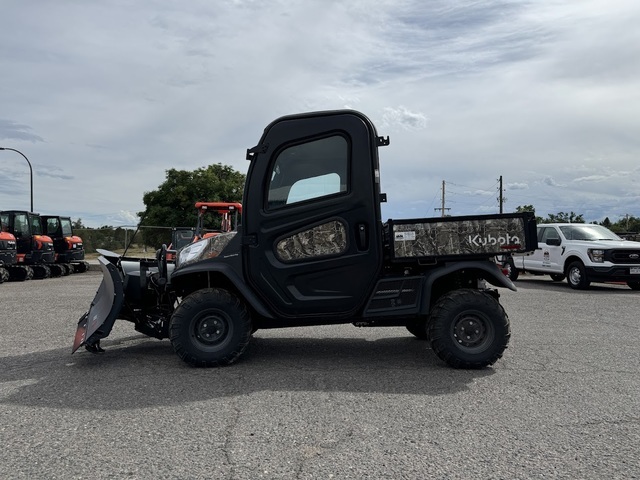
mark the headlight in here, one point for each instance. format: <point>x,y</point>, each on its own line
<point>596,255</point>
<point>209,247</point>
<point>189,253</point>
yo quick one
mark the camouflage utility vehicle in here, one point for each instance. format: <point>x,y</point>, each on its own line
<point>312,249</point>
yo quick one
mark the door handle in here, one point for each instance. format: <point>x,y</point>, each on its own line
<point>362,237</point>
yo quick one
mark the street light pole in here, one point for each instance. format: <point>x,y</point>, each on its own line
<point>30,169</point>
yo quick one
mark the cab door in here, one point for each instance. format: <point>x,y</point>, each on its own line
<point>550,244</point>
<point>312,241</point>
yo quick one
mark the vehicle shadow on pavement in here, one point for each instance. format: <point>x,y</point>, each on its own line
<point>136,372</point>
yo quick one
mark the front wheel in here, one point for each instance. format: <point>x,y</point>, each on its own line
<point>210,328</point>
<point>510,266</point>
<point>468,329</point>
<point>577,276</point>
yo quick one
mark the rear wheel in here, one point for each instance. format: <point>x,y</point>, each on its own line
<point>557,277</point>
<point>634,285</point>
<point>577,276</point>
<point>210,328</point>
<point>468,329</point>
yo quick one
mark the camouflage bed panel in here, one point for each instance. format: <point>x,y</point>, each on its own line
<point>465,237</point>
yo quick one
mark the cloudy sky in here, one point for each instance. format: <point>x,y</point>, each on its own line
<point>104,97</point>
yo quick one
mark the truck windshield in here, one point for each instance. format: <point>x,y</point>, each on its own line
<point>588,232</point>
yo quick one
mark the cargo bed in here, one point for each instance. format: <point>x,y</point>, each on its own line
<point>457,238</point>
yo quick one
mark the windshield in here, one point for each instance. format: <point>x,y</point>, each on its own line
<point>67,231</point>
<point>588,232</point>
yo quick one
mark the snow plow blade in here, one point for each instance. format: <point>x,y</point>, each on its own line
<point>97,323</point>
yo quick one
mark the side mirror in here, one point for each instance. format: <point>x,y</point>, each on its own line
<point>555,242</point>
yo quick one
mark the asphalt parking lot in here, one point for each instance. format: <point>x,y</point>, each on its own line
<point>323,402</point>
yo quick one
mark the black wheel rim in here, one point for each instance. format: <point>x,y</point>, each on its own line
<point>211,328</point>
<point>472,332</point>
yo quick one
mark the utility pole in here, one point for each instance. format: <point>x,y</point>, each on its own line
<point>442,208</point>
<point>501,198</point>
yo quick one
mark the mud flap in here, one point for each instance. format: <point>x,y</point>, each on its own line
<point>98,321</point>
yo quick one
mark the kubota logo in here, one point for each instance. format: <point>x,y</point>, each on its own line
<point>479,241</point>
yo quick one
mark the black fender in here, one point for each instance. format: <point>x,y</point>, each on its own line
<point>488,270</point>
<point>181,278</point>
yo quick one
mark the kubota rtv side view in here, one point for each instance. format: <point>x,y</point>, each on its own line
<point>312,249</point>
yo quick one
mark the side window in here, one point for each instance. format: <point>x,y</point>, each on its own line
<point>36,226</point>
<point>52,225</point>
<point>20,225</point>
<point>550,233</point>
<point>308,171</point>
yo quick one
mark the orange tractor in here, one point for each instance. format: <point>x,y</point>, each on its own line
<point>229,216</point>
<point>69,250</point>
<point>34,248</point>
<point>9,270</point>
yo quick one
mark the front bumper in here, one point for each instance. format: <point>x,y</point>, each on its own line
<point>615,273</point>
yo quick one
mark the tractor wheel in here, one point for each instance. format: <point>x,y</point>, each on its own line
<point>210,328</point>
<point>4,275</point>
<point>41,271</point>
<point>577,276</point>
<point>468,329</point>
<point>56,270</point>
<point>20,273</point>
<point>557,277</point>
<point>634,285</point>
<point>80,267</point>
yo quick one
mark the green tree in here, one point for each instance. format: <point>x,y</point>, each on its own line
<point>172,204</point>
<point>562,217</point>
<point>528,208</point>
<point>77,224</point>
<point>627,223</point>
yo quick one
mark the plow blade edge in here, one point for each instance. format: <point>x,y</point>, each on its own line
<point>98,321</point>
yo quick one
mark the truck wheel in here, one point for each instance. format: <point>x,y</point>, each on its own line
<point>512,271</point>
<point>210,328</point>
<point>634,285</point>
<point>577,276</point>
<point>468,329</point>
<point>557,277</point>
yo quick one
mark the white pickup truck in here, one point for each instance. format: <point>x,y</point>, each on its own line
<point>583,253</point>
